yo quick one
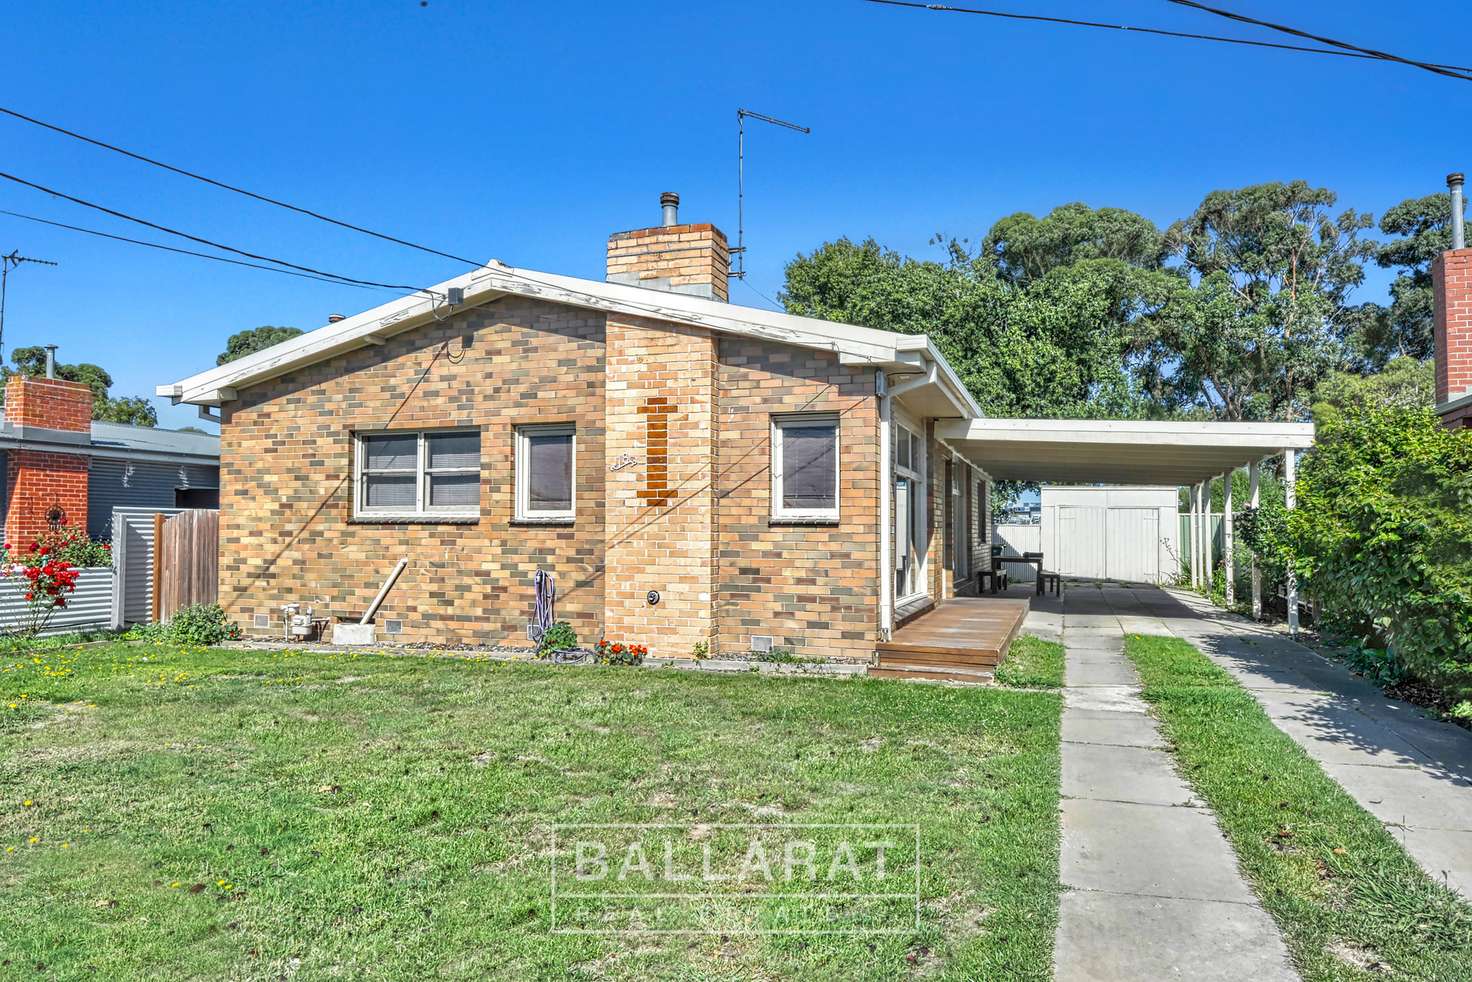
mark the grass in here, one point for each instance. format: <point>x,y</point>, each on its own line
<point>204,813</point>
<point>1032,663</point>
<point>1348,899</point>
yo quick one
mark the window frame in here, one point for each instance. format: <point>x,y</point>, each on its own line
<point>522,511</point>
<point>780,512</point>
<point>422,510</point>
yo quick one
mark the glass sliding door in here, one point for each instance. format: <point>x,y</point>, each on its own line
<point>910,529</point>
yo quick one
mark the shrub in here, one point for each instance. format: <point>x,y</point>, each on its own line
<point>1382,538</point>
<point>200,624</point>
<point>618,653</point>
<point>73,545</point>
<point>42,582</point>
<point>558,637</point>
<point>700,650</point>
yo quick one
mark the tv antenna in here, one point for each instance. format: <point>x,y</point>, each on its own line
<point>7,263</point>
<point>741,115</point>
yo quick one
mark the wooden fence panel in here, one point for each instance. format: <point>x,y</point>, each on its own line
<point>188,561</point>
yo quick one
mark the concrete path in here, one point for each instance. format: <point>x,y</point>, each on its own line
<point>1152,887</point>
<point>1411,772</point>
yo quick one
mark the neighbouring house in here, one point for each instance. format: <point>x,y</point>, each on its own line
<point>1451,285</point>
<point>690,471</point>
<point>61,467</point>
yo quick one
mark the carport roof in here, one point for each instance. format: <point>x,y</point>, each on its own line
<point>1094,451</point>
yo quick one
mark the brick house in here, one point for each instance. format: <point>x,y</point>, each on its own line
<point>61,467</point>
<point>689,470</point>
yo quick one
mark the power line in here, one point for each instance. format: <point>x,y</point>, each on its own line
<point>231,187</point>
<point>183,252</point>
<point>1157,31</point>
<point>1450,71</point>
<point>210,242</point>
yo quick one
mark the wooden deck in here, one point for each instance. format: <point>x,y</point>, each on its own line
<point>959,640</point>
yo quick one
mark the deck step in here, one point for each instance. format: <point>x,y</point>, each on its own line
<point>917,655</point>
<point>952,673</point>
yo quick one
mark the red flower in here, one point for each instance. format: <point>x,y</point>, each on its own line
<point>30,596</point>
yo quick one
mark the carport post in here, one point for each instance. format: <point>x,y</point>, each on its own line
<point>1290,501</point>
<point>1254,497</point>
<point>1208,541</point>
<point>1229,541</point>
<point>1191,534</point>
<point>1196,545</point>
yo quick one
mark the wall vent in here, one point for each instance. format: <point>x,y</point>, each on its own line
<point>262,620</point>
<point>761,643</point>
<point>393,627</point>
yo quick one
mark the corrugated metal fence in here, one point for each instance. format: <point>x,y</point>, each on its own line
<point>88,608</point>
<point>132,556</point>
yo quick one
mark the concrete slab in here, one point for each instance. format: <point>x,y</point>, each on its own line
<point>1446,854</point>
<point>1113,698</point>
<point>1113,773</point>
<point>1100,671</point>
<point>1147,850</point>
<point>1112,729</point>
<point>1406,796</point>
<point>1106,937</point>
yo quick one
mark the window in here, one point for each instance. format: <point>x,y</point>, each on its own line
<point>544,473</point>
<point>419,475</point>
<point>805,467</point>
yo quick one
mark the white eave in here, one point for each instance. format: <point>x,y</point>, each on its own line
<point>854,345</point>
<point>1133,452</point>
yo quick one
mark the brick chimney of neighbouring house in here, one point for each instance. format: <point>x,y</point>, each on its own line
<point>676,258</point>
<point>1451,279</point>
<point>46,488</point>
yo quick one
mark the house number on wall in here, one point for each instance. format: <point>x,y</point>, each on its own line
<point>623,461</point>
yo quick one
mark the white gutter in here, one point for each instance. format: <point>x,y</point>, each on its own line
<point>886,490</point>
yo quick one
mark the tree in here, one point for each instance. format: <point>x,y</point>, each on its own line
<point>1403,382</point>
<point>134,410</point>
<point>1026,248</point>
<point>1424,227</point>
<point>243,343</point>
<point>1046,349</point>
<point>1264,311</point>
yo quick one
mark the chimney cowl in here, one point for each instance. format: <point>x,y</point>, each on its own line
<point>334,318</point>
<point>669,203</point>
<point>1454,182</point>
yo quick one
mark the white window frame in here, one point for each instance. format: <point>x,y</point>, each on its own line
<point>524,510</point>
<point>779,511</point>
<point>421,510</point>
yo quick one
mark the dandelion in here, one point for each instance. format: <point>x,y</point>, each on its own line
<point>27,803</point>
<point>35,839</point>
<point>10,848</point>
<point>66,845</point>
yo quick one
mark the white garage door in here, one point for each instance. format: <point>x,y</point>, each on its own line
<point>1082,549</point>
<point>1132,547</point>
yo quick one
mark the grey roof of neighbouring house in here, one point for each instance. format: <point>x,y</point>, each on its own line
<point>121,436</point>
<point>117,441</point>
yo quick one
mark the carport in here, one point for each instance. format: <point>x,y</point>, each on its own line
<point>1134,452</point>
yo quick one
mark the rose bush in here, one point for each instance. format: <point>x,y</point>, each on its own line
<point>618,653</point>
<point>42,580</point>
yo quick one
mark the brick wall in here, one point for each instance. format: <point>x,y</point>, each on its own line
<point>690,259</point>
<point>1451,277</point>
<point>51,403</point>
<point>286,528</point>
<point>36,483</point>
<point>813,588</point>
<point>659,505</point>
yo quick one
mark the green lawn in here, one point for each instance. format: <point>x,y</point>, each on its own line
<point>1349,901</point>
<point>1032,663</point>
<point>206,813</point>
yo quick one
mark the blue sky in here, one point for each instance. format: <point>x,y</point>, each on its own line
<point>528,131</point>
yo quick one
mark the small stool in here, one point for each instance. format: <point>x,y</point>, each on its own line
<point>989,575</point>
<point>1051,580</point>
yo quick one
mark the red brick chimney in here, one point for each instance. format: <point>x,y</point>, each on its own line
<point>46,488</point>
<point>676,258</point>
<point>1451,286</point>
